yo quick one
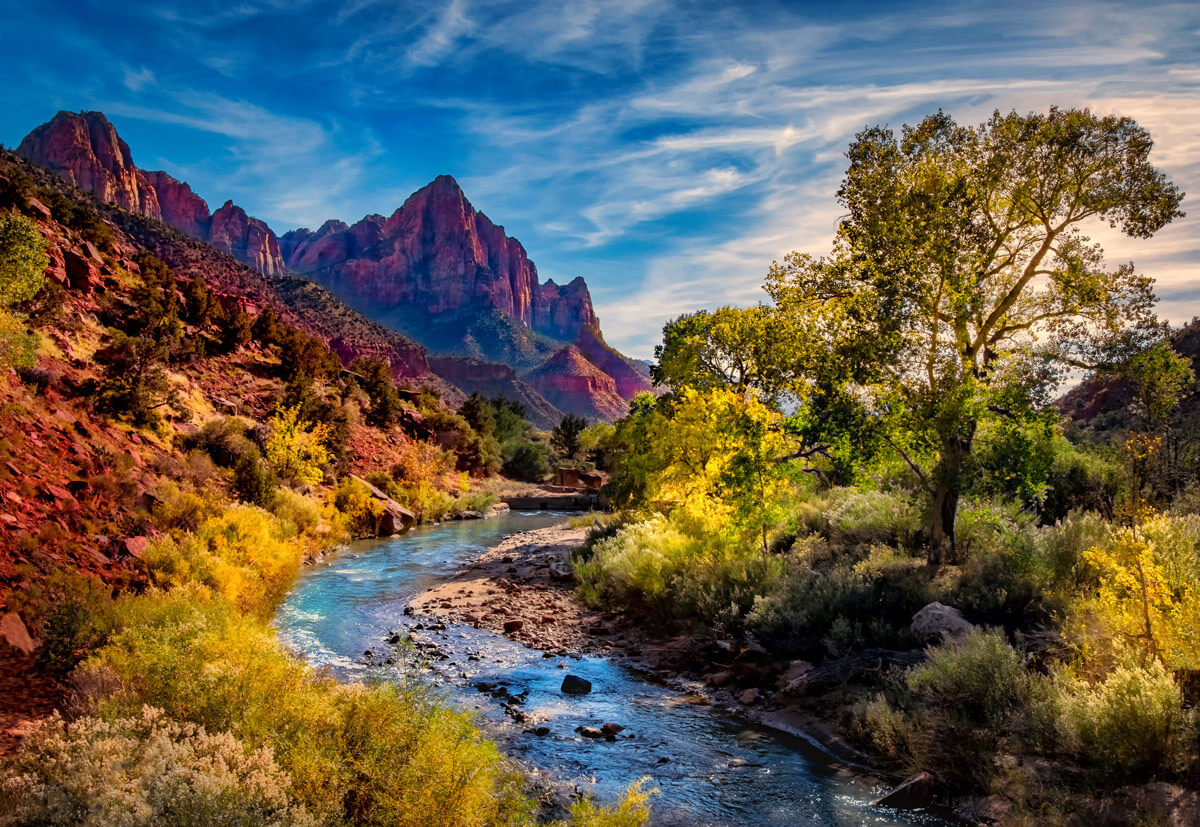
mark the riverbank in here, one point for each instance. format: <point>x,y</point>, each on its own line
<point>523,588</point>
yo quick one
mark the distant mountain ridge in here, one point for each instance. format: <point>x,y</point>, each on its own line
<point>443,273</point>
<point>436,270</point>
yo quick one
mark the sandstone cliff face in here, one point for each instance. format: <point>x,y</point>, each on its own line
<point>180,207</point>
<point>438,253</point>
<point>246,239</point>
<point>629,380</point>
<point>575,385</point>
<point>84,148</point>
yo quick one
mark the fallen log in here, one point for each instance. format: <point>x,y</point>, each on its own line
<point>837,672</point>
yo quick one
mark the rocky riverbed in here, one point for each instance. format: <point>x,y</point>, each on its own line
<point>523,588</point>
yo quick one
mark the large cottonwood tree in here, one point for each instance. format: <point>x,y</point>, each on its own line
<point>961,278</point>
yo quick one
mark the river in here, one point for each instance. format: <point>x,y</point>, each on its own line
<point>710,766</point>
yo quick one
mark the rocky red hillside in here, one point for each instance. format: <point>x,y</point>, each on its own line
<point>1101,402</point>
<point>568,379</point>
<point>80,484</point>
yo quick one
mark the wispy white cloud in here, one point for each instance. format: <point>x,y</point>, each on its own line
<point>667,151</point>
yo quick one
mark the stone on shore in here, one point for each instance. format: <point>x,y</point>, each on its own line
<point>938,622</point>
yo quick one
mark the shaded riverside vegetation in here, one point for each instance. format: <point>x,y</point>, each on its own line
<point>172,455</point>
<point>882,437</point>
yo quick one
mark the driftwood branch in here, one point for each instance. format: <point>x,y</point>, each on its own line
<point>834,673</point>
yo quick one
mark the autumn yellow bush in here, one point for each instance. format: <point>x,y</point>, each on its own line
<point>353,753</point>
<point>419,460</point>
<point>296,453</point>
<point>1146,595</point>
<point>358,507</point>
<point>246,555</point>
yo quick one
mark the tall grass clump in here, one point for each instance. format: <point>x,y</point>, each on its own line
<point>246,555</point>
<point>1132,722</point>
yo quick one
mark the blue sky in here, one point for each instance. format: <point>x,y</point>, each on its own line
<point>666,151</point>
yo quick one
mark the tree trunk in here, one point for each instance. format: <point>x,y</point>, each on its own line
<point>947,485</point>
<point>943,546</point>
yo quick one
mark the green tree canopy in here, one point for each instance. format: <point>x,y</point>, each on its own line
<point>23,264</point>
<point>961,279</point>
<point>565,438</point>
<point>23,259</point>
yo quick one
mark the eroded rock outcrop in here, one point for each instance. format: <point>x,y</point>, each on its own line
<point>246,239</point>
<point>84,148</point>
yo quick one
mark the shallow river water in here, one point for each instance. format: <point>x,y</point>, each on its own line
<point>710,766</point>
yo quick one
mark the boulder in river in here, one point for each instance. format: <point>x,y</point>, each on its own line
<point>590,732</point>
<point>575,685</point>
<point>612,729</point>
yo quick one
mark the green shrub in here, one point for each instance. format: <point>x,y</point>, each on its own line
<point>476,501</point>
<point>253,480</point>
<point>832,592</point>
<point>144,770</point>
<point>1080,481</point>
<point>67,612</point>
<point>429,503</point>
<point>384,482</point>
<point>224,439</point>
<point>951,712</point>
<point>528,462</point>
<point>678,570</point>
<point>862,516</point>
<point>1130,723</point>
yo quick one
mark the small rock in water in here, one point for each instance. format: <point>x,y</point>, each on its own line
<point>542,730</point>
<point>589,732</point>
<point>663,760</point>
<point>742,762</point>
<point>575,685</point>
<point>394,639</point>
<point>612,729</point>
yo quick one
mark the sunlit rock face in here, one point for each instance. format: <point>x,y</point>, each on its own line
<point>84,148</point>
<point>439,254</point>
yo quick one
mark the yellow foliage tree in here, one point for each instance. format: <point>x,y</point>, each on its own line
<point>297,453</point>
<point>1143,600</point>
<point>724,457</point>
